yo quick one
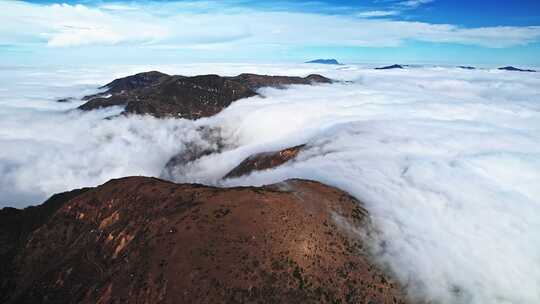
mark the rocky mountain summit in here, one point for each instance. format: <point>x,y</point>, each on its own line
<point>264,161</point>
<point>145,240</point>
<point>163,95</point>
<point>137,81</point>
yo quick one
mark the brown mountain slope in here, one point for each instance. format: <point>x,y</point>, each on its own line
<point>145,240</point>
<point>17,225</point>
<point>162,95</point>
<point>263,161</point>
<point>188,97</point>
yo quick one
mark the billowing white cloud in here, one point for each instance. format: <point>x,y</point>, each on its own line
<point>64,25</point>
<point>446,160</point>
<point>187,26</point>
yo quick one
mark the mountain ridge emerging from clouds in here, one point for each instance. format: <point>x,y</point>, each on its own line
<point>143,239</point>
<point>190,97</point>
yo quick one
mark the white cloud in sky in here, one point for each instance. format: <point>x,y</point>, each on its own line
<point>414,3</point>
<point>64,25</point>
<point>187,26</point>
<point>118,7</point>
<point>370,14</point>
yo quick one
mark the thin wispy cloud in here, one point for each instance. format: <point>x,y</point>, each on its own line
<point>414,3</point>
<point>118,7</point>
<point>374,14</point>
<point>151,25</point>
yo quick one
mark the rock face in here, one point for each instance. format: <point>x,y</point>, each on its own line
<point>145,240</point>
<point>514,69</point>
<point>390,67</point>
<point>263,161</point>
<point>161,95</point>
<point>324,61</point>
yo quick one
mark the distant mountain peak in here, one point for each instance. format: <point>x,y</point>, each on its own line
<point>511,68</point>
<point>390,67</point>
<point>324,61</point>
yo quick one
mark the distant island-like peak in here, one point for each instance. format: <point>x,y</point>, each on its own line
<point>390,67</point>
<point>324,61</point>
<point>514,69</point>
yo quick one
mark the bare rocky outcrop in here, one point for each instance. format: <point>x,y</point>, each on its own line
<point>162,95</point>
<point>145,240</point>
<point>177,165</point>
<point>264,161</point>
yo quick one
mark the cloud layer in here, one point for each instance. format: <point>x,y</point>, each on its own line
<point>446,160</point>
<point>218,25</point>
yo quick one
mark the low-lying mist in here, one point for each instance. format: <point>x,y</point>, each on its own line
<point>447,161</point>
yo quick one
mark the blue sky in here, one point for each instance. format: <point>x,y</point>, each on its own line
<point>377,31</point>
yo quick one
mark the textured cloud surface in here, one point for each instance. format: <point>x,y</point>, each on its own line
<point>446,160</point>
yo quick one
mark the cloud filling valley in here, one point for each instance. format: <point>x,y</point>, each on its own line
<point>446,160</point>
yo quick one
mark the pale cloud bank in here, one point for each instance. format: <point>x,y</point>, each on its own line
<point>186,25</point>
<point>446,160</point>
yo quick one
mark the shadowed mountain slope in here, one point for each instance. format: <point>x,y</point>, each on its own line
<point>162,95</point>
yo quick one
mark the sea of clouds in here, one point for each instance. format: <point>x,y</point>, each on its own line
<point>446,160</point>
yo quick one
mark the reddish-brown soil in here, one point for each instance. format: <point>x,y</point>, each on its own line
<point>263,161</point>
<point>145,240</point>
